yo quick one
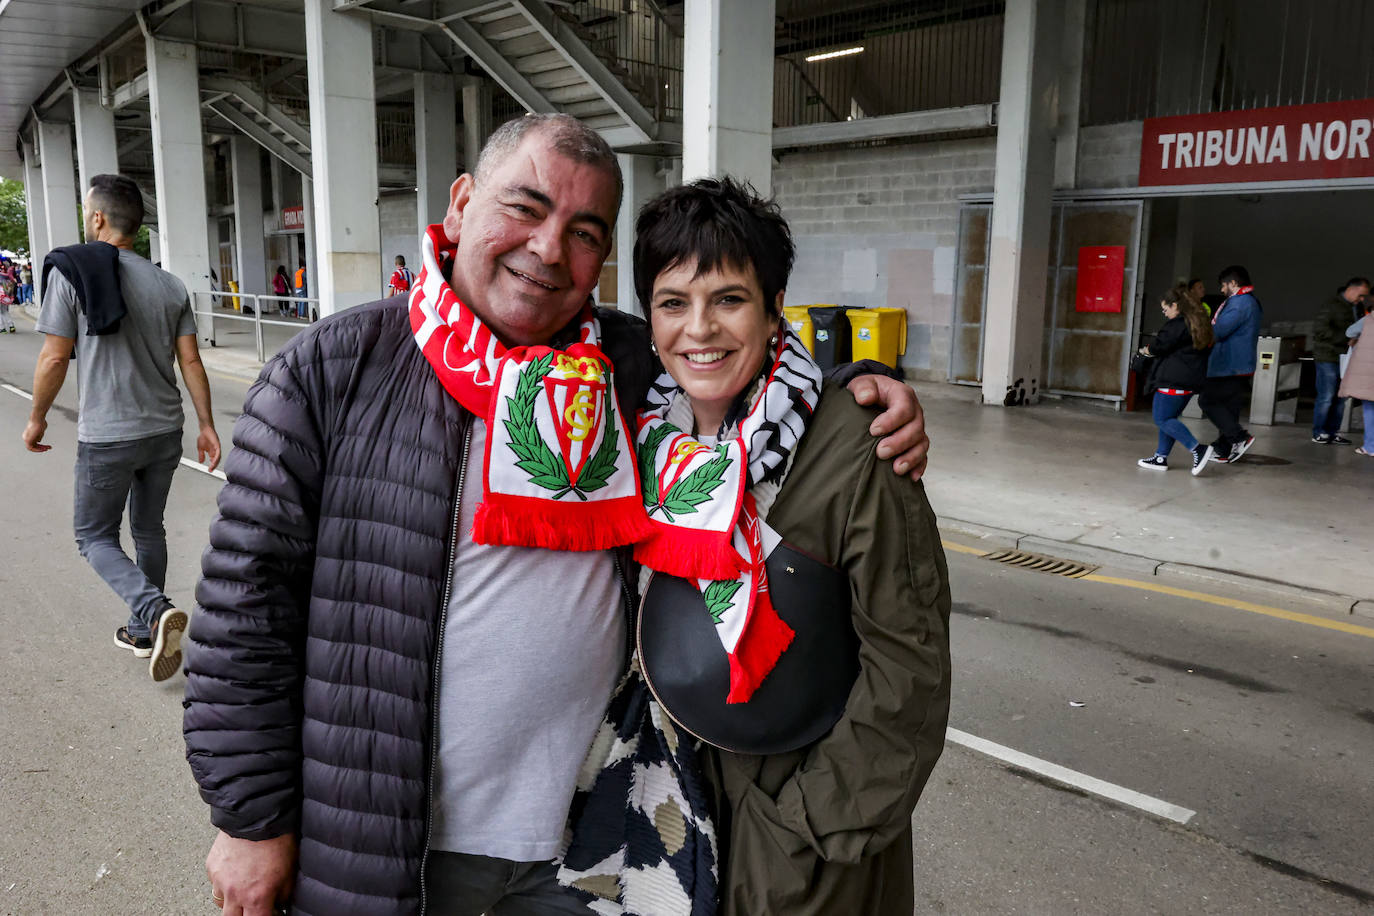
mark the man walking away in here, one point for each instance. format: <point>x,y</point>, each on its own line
<point>401,278</point>
<point>1236,323</point>
<point>127,320</point>
<point>1328,343</point>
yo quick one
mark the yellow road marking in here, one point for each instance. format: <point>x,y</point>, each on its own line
<point>1294,616</point>
<point>1233,603</point>
<point>228,376</point>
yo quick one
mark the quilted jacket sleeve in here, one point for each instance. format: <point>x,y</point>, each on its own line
<point>244,653</point>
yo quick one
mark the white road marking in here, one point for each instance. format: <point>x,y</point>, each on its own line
<point>1073,778</point>
<point>193,465</point>
<point>204,469</point>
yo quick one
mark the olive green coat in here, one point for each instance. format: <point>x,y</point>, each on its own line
<point>827,830</point>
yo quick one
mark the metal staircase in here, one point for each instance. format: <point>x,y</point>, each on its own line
<point>546,58</point>
<point>260,119</point>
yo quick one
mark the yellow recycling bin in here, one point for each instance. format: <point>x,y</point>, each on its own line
<point>878,334</point>
<point>800,320</point>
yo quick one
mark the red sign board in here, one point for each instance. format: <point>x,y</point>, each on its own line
<point>293,217</point>
<point>1101,275</point>
<point>1330,140</point>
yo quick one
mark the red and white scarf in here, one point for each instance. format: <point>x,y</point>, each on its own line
<point>559,471</point>
<point>706,526</point>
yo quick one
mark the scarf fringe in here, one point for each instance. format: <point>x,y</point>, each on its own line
<point>689,553</point>
<point>505,519</point>
<point>764,640</point>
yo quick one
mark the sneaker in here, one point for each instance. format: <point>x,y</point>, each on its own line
<point>1154,463</point>
<point>166,648</point>
<point>141,646</point>
<point>1215,457</point>
<point>1240,448</point>
<point>1338,439</point>
<point>1322,439</point>
<point>1201,455</point>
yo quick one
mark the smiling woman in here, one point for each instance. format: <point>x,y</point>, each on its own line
<point>796,601</point>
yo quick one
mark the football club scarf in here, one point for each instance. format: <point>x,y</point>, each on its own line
<point>706,527</point>
<point>559,470</point>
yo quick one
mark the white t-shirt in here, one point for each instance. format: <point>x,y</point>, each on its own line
<point>533,644</point>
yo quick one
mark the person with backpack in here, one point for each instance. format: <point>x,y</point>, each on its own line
<point>1180,352</point>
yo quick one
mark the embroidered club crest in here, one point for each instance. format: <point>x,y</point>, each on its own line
<point>578,407</point>
<point>576,392</point>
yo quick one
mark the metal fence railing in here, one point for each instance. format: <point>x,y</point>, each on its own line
<point>304,311</point>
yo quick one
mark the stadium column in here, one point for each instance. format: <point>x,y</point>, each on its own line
<point>37,214</point>
<point>642,182</point>
<point>250,242</point>
<point>96,147</point>
<point>727,98</point>
<point>179,162</point>
<point>60,201</point>
<point>1027,118</point>
<point>436,146</point>
<point>343,148</point>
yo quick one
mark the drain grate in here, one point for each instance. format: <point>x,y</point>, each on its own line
<point>1038,562</point>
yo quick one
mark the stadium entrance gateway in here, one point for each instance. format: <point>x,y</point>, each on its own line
<point>1286,191</point>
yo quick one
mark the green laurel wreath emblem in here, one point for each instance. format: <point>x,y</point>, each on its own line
<point>533,455</point>
<point>718,596</point>
<point>690,492</point>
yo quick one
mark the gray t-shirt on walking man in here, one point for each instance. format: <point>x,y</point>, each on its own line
<point>127,380</point>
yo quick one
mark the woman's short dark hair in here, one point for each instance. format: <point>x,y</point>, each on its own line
<point>715,222</point>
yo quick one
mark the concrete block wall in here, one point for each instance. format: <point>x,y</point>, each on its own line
<point>397,213</point>
<point>878,226</point>
<point>1109,155</point>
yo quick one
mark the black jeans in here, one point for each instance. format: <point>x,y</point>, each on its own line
<point>1222,400</point>
<point>459,884</point>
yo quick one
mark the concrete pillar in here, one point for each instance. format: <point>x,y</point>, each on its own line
<point>37,214</point>
<point>179,162</point>
<point>477,126</point>
<point>245,165</point>
<point>154,246</point>
<point>343,143</point>
<point>436,145</point>
<point>312,263</point>
<point>642,182</point>
<point>96,148</point>
<point>1070,93</point>
<point>62,225</point>
<point>727,97</point>
<point>1021,204</point>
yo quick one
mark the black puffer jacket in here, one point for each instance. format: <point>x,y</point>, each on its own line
<point>310,659</point>
<point>1178,364</point>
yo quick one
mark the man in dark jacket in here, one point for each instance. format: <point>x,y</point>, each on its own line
<point>1231,366</point>
<point>386,716</point>
<point>1328,343</point>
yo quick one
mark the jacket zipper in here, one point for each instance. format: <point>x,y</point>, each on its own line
<point>438,658</point>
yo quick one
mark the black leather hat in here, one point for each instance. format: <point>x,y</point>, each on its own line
<point>799,701</point>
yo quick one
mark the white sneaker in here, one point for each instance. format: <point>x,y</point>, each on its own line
<point>1154,463</point>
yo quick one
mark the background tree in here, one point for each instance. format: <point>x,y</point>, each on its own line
<point>14,220</point>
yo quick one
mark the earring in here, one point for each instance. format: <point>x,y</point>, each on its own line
<point>773,341</point>
<point>653,347</point>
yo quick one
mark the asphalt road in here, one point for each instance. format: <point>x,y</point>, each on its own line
<point>1262,726</point>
